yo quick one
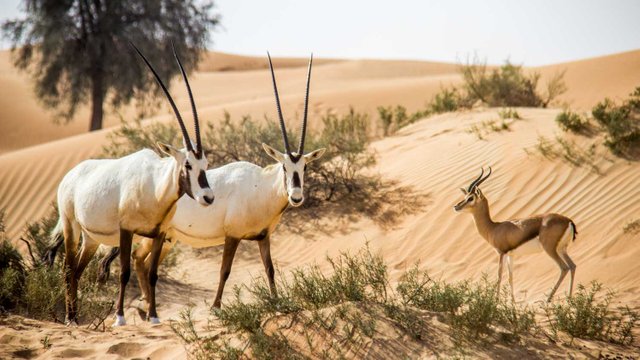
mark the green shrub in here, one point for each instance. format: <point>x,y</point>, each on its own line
<point>588,315</point>
<point>621,124</point>
<point>509,113</point>
<point>508,85</point>
<point>573,122</point>
<point>448,99</point>
<point>417,289</point>
<point>395,118</point>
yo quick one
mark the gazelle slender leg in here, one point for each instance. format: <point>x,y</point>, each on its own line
<point>564,268</point>
<point>499,275</point>
<point>230,247</point>
<point>572,267</point>
<point>510,268</point>
<point>156,249</point>
<point>265,253</point>
<point>125,272</point>
<point>71,301</point>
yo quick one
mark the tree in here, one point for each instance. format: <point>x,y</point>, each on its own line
<point>78,50</point>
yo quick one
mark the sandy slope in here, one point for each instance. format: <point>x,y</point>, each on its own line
<point>435,156</point>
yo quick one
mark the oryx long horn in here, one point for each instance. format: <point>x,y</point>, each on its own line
<point>193,103</point>
<point>303,132</point>
<point>282,126</point>
<point>474,182</point>
<point>185,134</point>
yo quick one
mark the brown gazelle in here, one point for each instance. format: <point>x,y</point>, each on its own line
<point>549,232</point>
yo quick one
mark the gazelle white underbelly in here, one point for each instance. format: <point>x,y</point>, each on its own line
<point>532,246</point>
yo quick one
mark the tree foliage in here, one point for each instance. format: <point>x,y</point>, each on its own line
<point>78,51</point>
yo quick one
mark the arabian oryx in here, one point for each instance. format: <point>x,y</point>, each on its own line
<point>250,201</point>
<point>549,232</point>
<point>107,201</point>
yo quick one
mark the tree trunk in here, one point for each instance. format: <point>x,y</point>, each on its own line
<point>97,98</point>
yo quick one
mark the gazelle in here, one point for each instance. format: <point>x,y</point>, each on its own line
<point>549,232</point>
<point>107,201</point>
<point>250,201</point>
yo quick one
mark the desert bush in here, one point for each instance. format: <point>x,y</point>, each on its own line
<point>621,124</point>
<point>395,118</point>
<point>508,85</point>
<point>448,99</point>
<point>338,176</point>
<point>631,227</point>
<point>566,150</point>
<point>588,315</point>
<point>417,289</point>
<point>32,289</point>
<point>573,122</point>
<point>484,128</point>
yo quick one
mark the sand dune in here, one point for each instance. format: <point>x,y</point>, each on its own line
<point>435,156</point>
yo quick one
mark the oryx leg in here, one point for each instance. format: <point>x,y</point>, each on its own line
<point>265,254</point>
<point>510,268</point>
<point>572,268</point>
<point>126,238</point>
<point>230,247</point>
<point>69,232</point>
<point>156,249</point>
<point>142,271</point>
<point>564,268</point>
<point>499,275</point>
<point>105,264</point>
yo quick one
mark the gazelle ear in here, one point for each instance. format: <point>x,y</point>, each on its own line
<point>314,155</point>
<point>167,149</point>
<point>463,191</point>
<point>275,154</point>
<point>479,193</point>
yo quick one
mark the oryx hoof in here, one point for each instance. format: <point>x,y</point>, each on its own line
<point>154,320</point>
<point>71,323</point>
<point>120,321</point>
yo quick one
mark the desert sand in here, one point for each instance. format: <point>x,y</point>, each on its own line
<point>434,156</point>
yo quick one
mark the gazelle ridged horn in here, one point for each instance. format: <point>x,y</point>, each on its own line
<point>193,103</point>
<point>185,134</point>
<point>484,178</point>
<point>474,182</point>
<point>282,126</point>
<point>303,132</point>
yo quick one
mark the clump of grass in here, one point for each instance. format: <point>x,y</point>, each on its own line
<point>448,99</point>
<point>588,315</point>
<point>632,227</point>
<point>484,128</point>
<point>573,122</point>
<point>509,113</point>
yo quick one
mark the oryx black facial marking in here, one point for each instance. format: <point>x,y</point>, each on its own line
<point>296,179</point>
<point>184,185</point>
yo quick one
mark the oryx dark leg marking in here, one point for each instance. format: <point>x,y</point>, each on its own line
<point>125,267</point>
<point>259,236</point>
<point>156,249</point>
<point>265,254</point>
<point>230,247</point>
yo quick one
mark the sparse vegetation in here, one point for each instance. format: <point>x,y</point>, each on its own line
<point>482,129</point>
<point>395,118</point>
<point>573,122</point>
<point>346,308</point>
<point>448,99</point>
<point>566,150</point>
<point>621,124</point>
<point>588,315</point>
<point>32,289</point>
<point>509,113</point>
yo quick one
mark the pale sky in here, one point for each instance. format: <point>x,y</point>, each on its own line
<point>529,32</point>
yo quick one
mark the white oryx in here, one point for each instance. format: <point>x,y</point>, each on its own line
<point>549,232</point>
<point>250,201</point>
<point>107,201</point>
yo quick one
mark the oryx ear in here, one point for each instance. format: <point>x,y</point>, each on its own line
<point>314,155</point>
<point>167,149</point>
<point>275,154</point>
<point>463,191</point>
